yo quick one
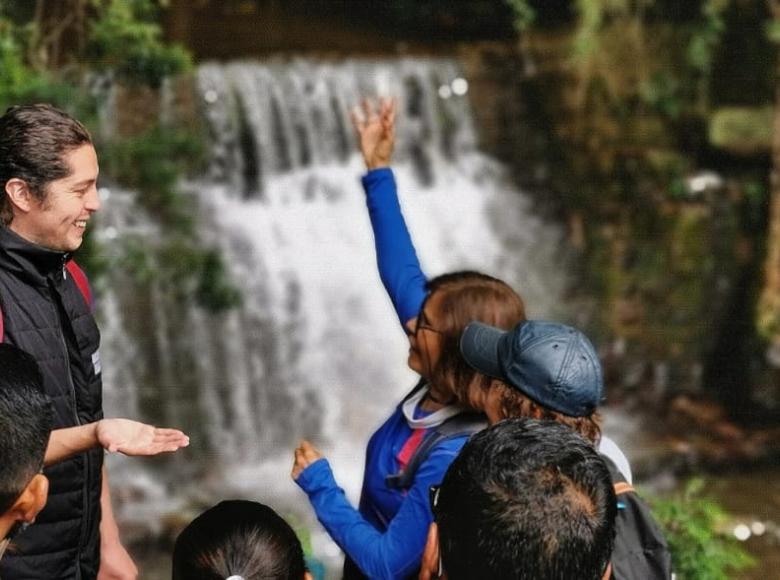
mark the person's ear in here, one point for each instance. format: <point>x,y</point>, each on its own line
<point>307,576</point>
<point>32,499</point>
<point>19,194</point>
<point>429,567</point>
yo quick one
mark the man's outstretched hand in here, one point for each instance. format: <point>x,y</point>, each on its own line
<point>134,438</point>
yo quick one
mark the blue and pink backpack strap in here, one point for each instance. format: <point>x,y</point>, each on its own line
<point>79,277</point>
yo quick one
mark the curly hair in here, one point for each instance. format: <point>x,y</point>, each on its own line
<point>513,403</point>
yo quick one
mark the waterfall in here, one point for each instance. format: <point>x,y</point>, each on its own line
<point>315,350</point>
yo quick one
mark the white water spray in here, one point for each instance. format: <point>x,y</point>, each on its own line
<point>315,350</point>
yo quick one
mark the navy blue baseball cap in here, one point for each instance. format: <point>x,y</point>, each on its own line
<point>553,364</point>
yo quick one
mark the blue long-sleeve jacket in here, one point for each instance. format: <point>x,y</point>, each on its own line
<point>385,538</point>
<point>396,258</point>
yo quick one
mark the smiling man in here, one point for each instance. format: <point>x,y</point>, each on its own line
<point>48,183</point>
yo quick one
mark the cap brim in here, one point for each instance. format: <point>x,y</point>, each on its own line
<point>479,347</point>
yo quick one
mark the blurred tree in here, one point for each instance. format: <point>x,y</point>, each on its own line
<point>637,85</point>
<point>125,39</point>
<point>122,37</point>
<point>694,527</point>
<point>524,14</point>
<point>769,304</point>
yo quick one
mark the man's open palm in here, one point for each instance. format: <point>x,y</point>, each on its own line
<point>134,438</point>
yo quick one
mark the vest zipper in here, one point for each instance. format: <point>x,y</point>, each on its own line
<point>85,487</point>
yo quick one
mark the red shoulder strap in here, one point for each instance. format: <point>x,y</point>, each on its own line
<point>80,278</point>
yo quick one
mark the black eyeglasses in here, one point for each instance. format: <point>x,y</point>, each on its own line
<point>424,324</point>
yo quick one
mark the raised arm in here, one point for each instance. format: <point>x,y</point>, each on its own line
<point>397,260</point>
<point>397,552</point>
<point>122,435</point>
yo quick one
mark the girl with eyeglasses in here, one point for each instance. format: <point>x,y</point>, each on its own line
<point>385,536</point>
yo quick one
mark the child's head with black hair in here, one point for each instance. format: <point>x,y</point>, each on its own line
<point>238,538</point>
<point>25,426</point>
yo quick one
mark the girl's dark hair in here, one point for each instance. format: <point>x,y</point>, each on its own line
<point>33,142</point>
<point>238,538</point>
<point>468,296</point>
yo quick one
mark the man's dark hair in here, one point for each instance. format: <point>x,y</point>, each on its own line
<point>25,423</point>
<point>33,142</point>
<point>526,499</point>
<point>238,538</point>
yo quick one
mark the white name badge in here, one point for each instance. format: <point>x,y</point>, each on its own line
<point>96,362</point>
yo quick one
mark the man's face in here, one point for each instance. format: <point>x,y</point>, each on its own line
<point>58,223</point>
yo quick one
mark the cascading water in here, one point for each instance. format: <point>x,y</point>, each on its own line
<point>315,350</point>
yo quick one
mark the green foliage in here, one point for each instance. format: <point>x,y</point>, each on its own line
<point>214,291</point>
<point>707,35</point>
<point>595,15</point>
<point>13,72</point>
<point>191,272</point>
<point>662,92</point>
<point>704,41</point>
<point>126,40</point>
<point>137,259</point>
<point>21,84</point>
<point>524,14</point>
<point>591,14</point>
<point>773,31</point>
<point>670,84</point>
<point>670,167</point>
<point>742,130</point>
<point>152,163</point>
<point>196,273</point>
<point>699,550</point>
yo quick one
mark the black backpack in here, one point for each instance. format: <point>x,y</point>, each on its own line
<point>641,551</point>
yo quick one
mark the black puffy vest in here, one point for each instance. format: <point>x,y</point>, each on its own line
<point>45,314</point>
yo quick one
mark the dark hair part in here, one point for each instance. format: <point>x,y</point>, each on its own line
<point>238,537</point>
<point>468,296</point>
<point>25,423</point>
<point>33,142</point>
<point>526,499</point>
